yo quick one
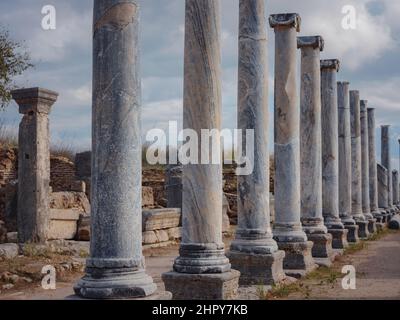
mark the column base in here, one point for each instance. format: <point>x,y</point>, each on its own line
<point>352,233</point>
<point>298,259</point>
<point>372,226</point>
<point>258,269</point>
<point>183,286</point>
<point>339,238</point>
<point>363,232</point>
<point>380,226</point>
<point>322,247</point>
<point>114,284</point>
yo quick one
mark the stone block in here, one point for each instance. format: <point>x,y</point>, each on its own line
<point>147,197</point>
<point>83,233</point>
<point>258,269</point>
<point>9,250</point>
<point>221,286</point>
<point>63,224</point>
<point>352,235</point>
<point>78,186</point>
<point>298,259</point>
<point>12,237</point>
<point>363,233</point>
<point>160,219</point>
<point>162,235</point>
<point>339,238</point>
<point>372,226</point>
<point>322,247</point>
<point>149,237</point>
<point>175,233</point>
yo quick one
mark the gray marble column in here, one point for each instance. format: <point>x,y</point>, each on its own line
<point>366,204</point>
<point>330,153</point>
<point>202,257</point>
<point>386,162</point>
<point>33,214</point>
<point>383,189</point>
<point>344,127</point>
<point>254,252</point>
<point>310,148</point>
<point>116,268</point>
<point>356,185</point>
<point>395,187</point>
<point>373,175</point>
<point>288,229</point>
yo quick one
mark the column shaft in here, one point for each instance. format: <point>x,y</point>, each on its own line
<point>382,187</point>
<point>386,161</point>
<point>373,176</point>
<point>395,187</point>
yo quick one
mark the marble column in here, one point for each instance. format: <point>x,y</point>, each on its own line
<point>254,252</point>
<point>373,175</point>
<point>330,153</point>
<point>288,229</point>
<point>386,162</point>
<point>202,271</point>
<point>395,187</point>
<point>310,149</point>
<point>116,268</point>
<point>345,162</point>
<point>33,214</point>
<point>366,204</point>
<point>383,188</point>
<point>356,182</point>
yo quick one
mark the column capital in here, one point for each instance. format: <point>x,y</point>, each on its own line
<point>290,20</point>
<point>385,126</point>
<point>370,109</point>
<point>363,103</point>
<point>36,100</point>
<point>316,42</point>
<point>330,64</point>
<point>343,83</point>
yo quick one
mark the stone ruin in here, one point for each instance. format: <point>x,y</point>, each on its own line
<point>328,188</point>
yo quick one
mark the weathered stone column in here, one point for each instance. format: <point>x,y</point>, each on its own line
<point>356,182</point>
<point>386,162</point>
<point>373,175</point>
<point>366,204</point>
<point>383,191</point>
<point>254,252</point>
<point>395,187</point>
<point>310,149</point>
<point>330,153</point>
<point>202,271</point>
<point>173,186</point>
<point>33,215</point>
<point>288,229</point>
<point>115,268</point>
<point>345,162</point>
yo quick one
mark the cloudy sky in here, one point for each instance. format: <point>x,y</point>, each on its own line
<point>369,55</point>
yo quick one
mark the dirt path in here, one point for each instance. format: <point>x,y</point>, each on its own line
<point>377,266</point>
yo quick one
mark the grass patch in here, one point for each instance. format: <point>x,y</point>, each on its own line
<point>284,291</point>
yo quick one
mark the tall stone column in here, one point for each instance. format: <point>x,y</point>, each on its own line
<point>33,215</point>
<point>310,149</point>
<point>254,252</point>
<point>116,268</point>
<point>356,182</point>
<point>288,229</point>
<point>330,153</point>
<point>395,187</point>
<point>366,204</point>
<point>373,175</point>
<point>386,162</point>
<point>345,162</point>
<point>383,189</point>
<point>202,271</point>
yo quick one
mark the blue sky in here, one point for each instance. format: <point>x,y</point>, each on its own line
<point>369,56</point>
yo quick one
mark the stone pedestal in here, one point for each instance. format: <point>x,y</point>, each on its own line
<point>33,214</point>
<point>366,204</point>
<point>116,268</point>
<point>202,271</point>
<point>288,230</point>
<point>356,160</point>
<point>344,126</point>
<point>253,251</point>
<point>330,151</point>
<point>310,148</point>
